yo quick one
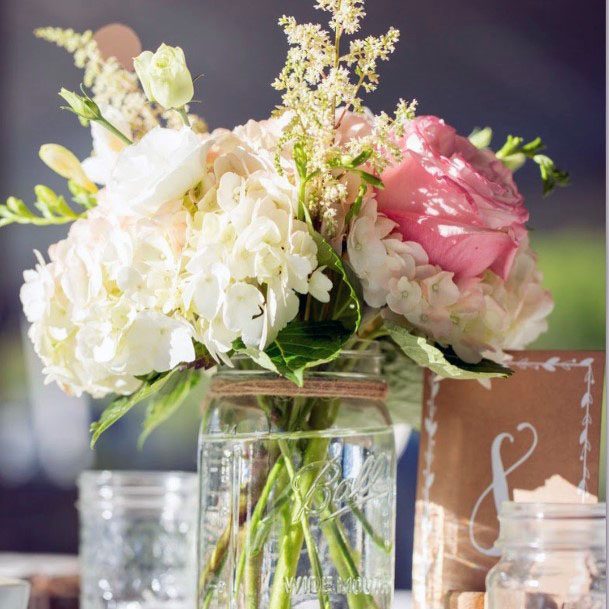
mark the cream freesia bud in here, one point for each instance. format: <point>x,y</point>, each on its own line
<point>165,77</point>
<point>65,163</point>
<point>82,105</point>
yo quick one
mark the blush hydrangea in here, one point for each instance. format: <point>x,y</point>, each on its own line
<point>478,317</point>
<point>103,308</point>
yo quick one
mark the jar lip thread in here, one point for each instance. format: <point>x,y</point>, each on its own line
<point>511,510</point>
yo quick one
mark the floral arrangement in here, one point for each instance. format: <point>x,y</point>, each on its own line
<point>286,239</point>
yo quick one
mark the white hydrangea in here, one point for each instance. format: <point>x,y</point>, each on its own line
<point>103,309</point>
<point>262,137</point>
<point>479,317</point>
<point>248,258</point>
<point>194,239</point>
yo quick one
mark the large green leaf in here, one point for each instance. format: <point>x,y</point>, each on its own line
<point>119,407</point>
<point>443,362</point>
<point>305,344</point>
<point>167,400</point>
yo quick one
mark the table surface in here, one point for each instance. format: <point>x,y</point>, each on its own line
<point>21,565</point>
<point>403,600</point>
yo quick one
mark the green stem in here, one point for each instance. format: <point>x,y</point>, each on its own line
<point>378,540</point>
<point>256,517</point>
<point>324,601</point>
<point>293,539</point>
<point>322,417</point>
<point>296,527</point>
<point>253,576</point>
<point>214,566</point>
<point>112,129</point>
<point>183,115</point>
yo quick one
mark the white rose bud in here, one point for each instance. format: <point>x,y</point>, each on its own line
<point>165,76</point>
<point>81,105</point>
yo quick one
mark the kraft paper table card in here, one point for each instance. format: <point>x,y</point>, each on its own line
<point>478,445</point>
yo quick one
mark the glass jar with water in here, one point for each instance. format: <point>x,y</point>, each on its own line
<point>297,489</point>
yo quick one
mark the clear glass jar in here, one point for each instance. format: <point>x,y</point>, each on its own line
<point>138,540</point>
<point>298,490</point>
<point>553,556</point>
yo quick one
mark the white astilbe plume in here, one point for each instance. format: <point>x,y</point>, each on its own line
<point>321,85</point>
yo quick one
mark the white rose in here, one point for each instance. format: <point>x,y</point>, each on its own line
<point>160,168</point>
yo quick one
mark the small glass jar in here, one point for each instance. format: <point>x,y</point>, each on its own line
<point>137,540</point>
<point>298,489</point>
<point>553,556</point>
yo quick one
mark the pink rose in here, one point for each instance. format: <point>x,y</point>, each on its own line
<point>458,202</point>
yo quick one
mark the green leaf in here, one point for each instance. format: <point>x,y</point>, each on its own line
<point>120,406</point>
<point>257,356</point>
<point>515,152</point>
<point>357,204</point>
<point>481,138</point>
<point>346,304</point>
<point>167,400</point>
<point>305,344</point>
<point>441,361</point>
<point>370,179</point>
<point>361,158</point>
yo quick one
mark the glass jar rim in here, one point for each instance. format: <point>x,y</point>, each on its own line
<point>551,526</point>
<point>513,510</point>
<point>135,489</point>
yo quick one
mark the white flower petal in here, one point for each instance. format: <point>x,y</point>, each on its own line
<point>243,302</point>
<point>320,285</point>
<point>161,167</point>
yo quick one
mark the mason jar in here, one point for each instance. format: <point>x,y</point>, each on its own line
<point>553,556</point>
<point>297,489</point>
<point>138,540</point>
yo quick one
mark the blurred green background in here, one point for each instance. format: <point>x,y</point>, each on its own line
<point>573,264</point>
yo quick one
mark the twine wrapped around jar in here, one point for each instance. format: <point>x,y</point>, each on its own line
<point>354,389</point>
